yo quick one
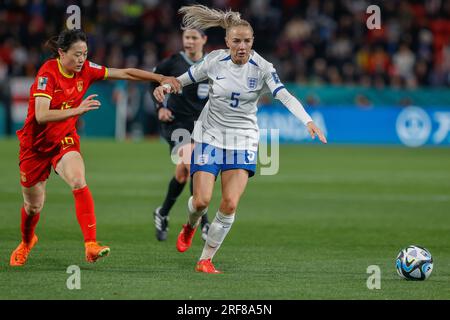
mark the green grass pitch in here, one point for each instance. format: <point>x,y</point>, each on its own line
<point>309,232</point>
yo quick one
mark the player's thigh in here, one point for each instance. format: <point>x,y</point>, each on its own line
<point>34,197</point>
<point>203,183</point>
<point>182,170</point>
<point>185,153</point>
<point>181,173</point>
<point>71,169</point>
<point>234,182</point>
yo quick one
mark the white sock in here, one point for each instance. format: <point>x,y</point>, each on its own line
<point>194,215</point>
<point>218,230</point>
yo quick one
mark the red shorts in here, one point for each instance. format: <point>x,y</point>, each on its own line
<point>36,166</point>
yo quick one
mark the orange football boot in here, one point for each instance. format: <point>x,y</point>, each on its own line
<point>20,255</point>
<point>206,266</point>
<point>184,240</point>
<point>94,251</point>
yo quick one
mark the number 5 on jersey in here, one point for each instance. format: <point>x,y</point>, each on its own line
<point>235,99</point>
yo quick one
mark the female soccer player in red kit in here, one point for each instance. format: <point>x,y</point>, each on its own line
<point>49,137</point>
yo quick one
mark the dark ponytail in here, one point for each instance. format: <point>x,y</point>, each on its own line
<point>64,41</point>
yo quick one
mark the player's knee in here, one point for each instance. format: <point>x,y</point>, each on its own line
<point>229,204</point>
<point>33,208</point>
<point>181,177</point>
<point>200,203</point>
<point>77,182</point>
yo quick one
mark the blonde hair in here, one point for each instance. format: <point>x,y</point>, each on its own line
<point>201,17</point>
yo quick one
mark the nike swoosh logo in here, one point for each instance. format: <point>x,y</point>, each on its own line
<point>220,78</point>
<point>58,90</point>
<point>91,225</point>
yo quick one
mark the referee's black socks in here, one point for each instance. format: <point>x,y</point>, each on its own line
<point>175,189</point>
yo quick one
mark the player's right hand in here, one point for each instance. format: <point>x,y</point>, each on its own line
<point>88,104</point>
<point>165,115</point>
<point>173,82</point>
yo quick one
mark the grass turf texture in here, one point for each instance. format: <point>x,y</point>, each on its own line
<point>309,232</point>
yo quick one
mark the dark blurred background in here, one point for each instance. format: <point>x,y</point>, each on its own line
<point>310,42</point>
<point>342,71</point>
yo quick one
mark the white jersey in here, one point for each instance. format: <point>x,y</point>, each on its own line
<point>228,120</point>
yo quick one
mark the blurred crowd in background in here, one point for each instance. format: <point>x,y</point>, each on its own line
<point>310,42</point>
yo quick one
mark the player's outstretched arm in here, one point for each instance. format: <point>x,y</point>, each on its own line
<point>184,80</point>
<point>141,75</point>
<point>43,113</point>
<point>297,110</point>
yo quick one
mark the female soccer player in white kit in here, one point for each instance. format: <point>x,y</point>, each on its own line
<point>226,134</point>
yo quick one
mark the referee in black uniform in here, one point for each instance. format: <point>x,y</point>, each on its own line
<point>180,112</point>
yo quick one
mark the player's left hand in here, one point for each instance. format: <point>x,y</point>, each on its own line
<point>160,92</point>
<point>314,130</point>
<point>173,82</point>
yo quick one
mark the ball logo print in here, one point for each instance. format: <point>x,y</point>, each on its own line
<point>413,126</point>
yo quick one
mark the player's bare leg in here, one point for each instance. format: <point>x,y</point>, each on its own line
<point>185,154</point>
<point>33,202</point>
<point>71,169</point>
<point>197,207</point>
<point>233,186</point>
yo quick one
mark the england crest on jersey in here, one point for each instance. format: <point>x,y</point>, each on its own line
<point>252,82</point>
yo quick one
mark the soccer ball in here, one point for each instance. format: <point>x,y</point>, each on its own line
<point>414,263</point>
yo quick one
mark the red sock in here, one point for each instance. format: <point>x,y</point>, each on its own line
<point>84,207</point>
<point>28,225</point>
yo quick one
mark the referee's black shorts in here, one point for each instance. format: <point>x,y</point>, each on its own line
<point>181,137</point>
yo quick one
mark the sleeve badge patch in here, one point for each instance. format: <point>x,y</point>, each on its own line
<point>42,83</point>
<point>94,65</point>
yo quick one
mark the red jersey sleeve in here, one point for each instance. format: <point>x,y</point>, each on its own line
<point>95,71</point>
<point>44,85</point>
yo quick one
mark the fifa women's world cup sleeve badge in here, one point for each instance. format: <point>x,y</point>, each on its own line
<point>80,85</point>
<point>42,83</point>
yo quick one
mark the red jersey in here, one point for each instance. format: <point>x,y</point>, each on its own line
<point>65,91</point>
